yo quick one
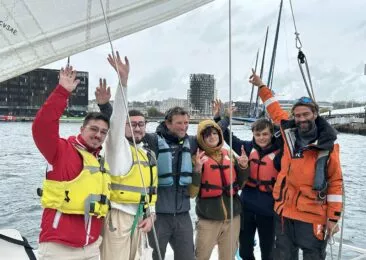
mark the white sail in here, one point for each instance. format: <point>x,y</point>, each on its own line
<point>36,33</point>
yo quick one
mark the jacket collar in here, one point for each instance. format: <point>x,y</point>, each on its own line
<point>326,134</point>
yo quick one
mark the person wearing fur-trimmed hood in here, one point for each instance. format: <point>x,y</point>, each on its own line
<point>213,188</point>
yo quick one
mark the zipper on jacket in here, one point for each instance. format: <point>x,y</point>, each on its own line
<point>282,186</point>
<point>297,197</point>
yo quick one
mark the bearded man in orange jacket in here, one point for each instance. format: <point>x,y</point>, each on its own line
<point>308,191</point>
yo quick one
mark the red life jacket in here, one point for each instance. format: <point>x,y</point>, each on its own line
<point>216,178</point>
<point>263,173</point>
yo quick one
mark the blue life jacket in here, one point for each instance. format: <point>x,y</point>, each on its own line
<point>165,163</point>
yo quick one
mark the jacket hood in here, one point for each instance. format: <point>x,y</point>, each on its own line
<point>326,133</point>
<point>201,127</point>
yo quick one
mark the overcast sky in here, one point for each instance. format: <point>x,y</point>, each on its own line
<point>333,34</point>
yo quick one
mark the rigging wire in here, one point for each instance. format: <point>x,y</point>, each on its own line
<point>302,60</point>
<point>133,136</point>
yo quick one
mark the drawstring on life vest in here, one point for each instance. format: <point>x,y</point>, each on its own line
<point>139,214</point>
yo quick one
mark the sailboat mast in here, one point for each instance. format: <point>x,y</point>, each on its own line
<point>255,114</point>
<point>273,59</point>
<point>251,93</point>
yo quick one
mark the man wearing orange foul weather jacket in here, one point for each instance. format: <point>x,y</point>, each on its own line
<point>308,190</point>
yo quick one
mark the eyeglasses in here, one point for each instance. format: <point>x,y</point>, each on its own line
<point>95,130</point>
<point>134,125</point>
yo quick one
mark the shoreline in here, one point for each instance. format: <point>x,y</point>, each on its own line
<point>351,128</point>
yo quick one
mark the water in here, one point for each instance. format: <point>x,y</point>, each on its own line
<point>23,167</point>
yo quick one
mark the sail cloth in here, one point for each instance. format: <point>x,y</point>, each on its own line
<point>36,33</point>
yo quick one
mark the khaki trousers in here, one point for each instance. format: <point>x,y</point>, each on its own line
<point>214,232</point>
<point>117,243</point>
<point>55,251</point>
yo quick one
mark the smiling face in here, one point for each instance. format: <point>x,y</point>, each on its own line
<point>94,133</point>
<point>304,118</point>
<point>211,137</point>
<point>178,125</point>
<point>138,126</point>
<point>263,138</point>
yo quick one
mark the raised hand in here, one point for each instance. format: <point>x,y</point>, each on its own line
<point>199,160</point>
<point>255,79</point>
<point>230,111</point>
<point>123,69</point>
<point>216,107</point>
<point>67,78</point>
<point>102,93</point>
<point>243,159</point>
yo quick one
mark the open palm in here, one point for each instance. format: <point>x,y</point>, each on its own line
<point>123,69</point>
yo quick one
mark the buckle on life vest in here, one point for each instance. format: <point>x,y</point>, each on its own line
<point>322,195</point>
<point>103,199</point>
<point>39,192</point>
<point>152,190</point>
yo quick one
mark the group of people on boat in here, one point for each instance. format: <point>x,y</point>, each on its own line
<point>285,183</point>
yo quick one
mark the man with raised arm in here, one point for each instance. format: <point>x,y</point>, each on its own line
<point>308,190</point>
<point>133,173</point>
<point>173,148</point>
<point>75,194</point>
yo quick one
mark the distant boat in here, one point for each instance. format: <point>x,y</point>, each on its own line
<point>244,119</point>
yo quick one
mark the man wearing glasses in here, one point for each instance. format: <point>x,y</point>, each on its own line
<point>75,194</point>
<point>308,190</point>
<point>173,148</point>
<point>133,173</point>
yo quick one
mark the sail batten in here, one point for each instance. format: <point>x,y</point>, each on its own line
<point>45,32</point>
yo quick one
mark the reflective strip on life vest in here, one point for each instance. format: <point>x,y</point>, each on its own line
<point>92,169</point>
<point>143,163</point>
<point>151,190</point>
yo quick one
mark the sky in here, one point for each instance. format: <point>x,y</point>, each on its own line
<point>332,32</point>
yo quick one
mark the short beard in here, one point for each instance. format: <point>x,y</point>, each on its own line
<point>131,141</point>
<point>310,126</point>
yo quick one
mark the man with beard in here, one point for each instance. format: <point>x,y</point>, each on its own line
<point>174,149</point>
<point>308,190</point>
<point>133,174</point>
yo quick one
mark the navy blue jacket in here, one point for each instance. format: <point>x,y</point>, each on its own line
<point>252,198</point>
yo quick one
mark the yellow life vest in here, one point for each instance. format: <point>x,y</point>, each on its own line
<point>130,188</point>
<point>88,194</point>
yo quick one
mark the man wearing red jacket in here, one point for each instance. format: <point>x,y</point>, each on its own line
<point>76,192</point>
<point>308,190</point>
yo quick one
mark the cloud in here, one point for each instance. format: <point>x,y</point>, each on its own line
<point>162,57</point>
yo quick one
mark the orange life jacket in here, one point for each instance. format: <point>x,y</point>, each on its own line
<point>216,178</point>
<point>263,173</point>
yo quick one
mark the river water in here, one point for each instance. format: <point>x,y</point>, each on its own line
<point>23,167</point>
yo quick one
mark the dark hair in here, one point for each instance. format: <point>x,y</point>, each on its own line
<point>262,124</point>
<point>307,102</point>
<point>135,112</point>
<point>173,112</point>
<point>95,116</point>
<point>208,130</point>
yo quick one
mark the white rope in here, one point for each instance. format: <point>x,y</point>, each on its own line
<point>133,136</point>
<point>231,139</point>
